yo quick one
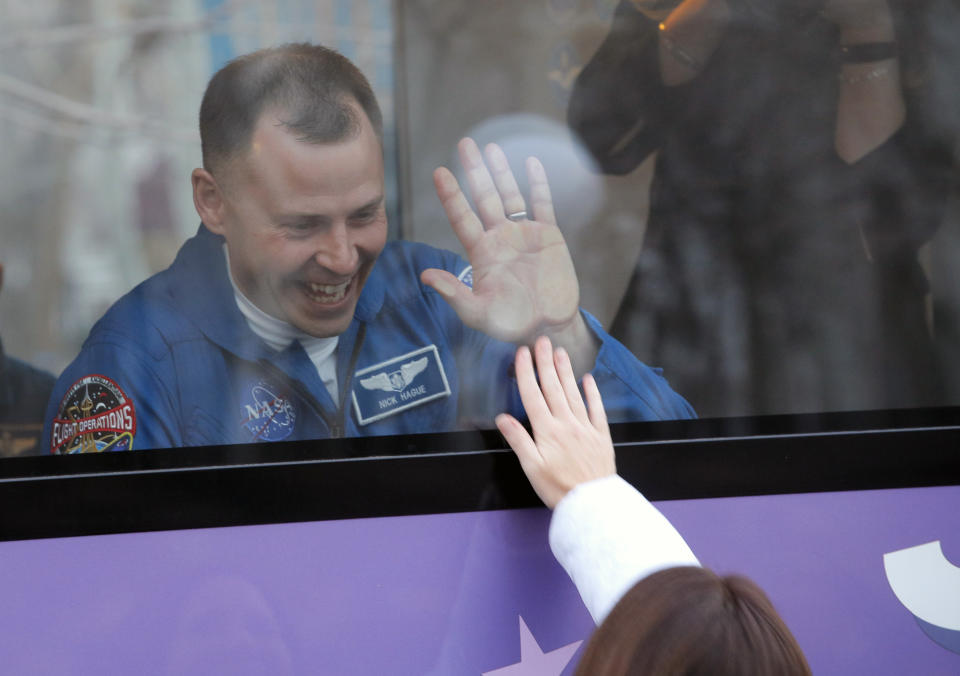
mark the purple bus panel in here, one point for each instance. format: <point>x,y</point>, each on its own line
<point>470,593</point>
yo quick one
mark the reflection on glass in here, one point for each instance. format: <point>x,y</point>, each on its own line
<point>781,239</point>
<point>804,157</point>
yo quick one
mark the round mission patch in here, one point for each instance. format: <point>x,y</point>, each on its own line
<point>94,416</point>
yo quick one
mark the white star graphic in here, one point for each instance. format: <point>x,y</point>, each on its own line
<point>535,662</point>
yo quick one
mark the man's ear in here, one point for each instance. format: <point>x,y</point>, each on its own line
<point>208,200</point>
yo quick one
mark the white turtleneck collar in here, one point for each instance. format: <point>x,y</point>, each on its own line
<point>278,334</point>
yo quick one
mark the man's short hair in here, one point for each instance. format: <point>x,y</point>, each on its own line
<point>313,89</point>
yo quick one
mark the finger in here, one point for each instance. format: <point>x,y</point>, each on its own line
<point>528,453</point>
<point>520,441</point>
<point>482,188</point>
<point>464,222</point>
<point>504,180</point>
<point>540,199</point>
<point>533,403</point>
<point>568,381</point>
<point>598,417</point>
<point>468,307</point>
<point>549,382</point>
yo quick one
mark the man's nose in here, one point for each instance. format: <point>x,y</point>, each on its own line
<point>336,251</point>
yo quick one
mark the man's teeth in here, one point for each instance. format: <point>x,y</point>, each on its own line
<point>330,293</point>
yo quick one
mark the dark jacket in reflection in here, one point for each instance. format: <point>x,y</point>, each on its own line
<point>24,391</point>
<point>775,277</point>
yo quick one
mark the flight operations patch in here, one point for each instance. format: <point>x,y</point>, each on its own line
<point>397,384</point>
<point>94,416</point>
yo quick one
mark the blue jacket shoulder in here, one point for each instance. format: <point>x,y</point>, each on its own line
<point>146,318</point>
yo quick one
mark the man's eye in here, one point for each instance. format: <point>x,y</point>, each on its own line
<point>365,216</point>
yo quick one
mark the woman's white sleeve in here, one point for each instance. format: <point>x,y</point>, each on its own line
<point>607,536</point>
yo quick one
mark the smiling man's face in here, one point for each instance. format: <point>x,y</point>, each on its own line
<point>304,224</point>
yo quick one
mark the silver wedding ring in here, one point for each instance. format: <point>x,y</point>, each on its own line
<point>517,216</point>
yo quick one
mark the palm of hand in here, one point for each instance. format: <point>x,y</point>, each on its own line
<point>524,282</point>
<point>571,451</point>
<point>523,279</point>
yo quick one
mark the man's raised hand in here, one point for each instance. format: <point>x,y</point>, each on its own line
<point>524,283</point>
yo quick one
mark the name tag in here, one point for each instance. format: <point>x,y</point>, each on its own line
<point>397,384</point>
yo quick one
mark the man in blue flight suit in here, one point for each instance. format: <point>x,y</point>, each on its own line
<point>290,316</point>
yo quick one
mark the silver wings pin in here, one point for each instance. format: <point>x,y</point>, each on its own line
<point>396,381</point>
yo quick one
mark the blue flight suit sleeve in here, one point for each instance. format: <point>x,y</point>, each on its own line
<point>632,390</point>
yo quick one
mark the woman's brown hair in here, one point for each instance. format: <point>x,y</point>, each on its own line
<point>688,621</point>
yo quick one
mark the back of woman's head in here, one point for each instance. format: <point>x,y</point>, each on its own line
<point>688,621</point>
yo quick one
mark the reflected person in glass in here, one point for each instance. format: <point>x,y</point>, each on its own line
<point>804,155</point>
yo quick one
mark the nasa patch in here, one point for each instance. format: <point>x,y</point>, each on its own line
<point>94,416</point>
<point>268,414</point>
<point>397,384</point>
